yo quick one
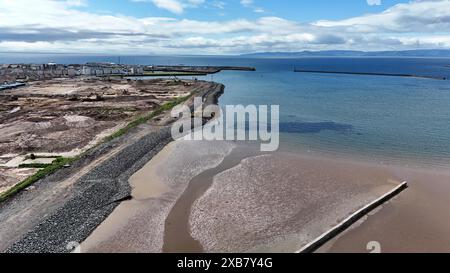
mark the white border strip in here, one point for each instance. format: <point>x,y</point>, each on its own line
<point>336,230</point>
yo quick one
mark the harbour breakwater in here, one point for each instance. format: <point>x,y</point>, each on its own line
<point>199,69</point>
<point>370,74</point>
<point>180,70</point>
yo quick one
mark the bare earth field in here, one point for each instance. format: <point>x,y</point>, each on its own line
<point>64,117</point>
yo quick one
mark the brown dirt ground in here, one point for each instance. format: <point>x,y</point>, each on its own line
<point>69,115</point>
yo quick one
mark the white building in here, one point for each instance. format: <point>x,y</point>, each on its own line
<point>87,71</point>
<point>71,72</point>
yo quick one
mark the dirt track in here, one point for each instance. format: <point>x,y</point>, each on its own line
<point>62,115</point>
<point>65,117</point>
<point>69,204</point>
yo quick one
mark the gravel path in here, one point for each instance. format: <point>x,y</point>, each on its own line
<point>69,213</point>
<point>74,221</point>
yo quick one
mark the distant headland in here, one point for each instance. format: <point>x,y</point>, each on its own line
<point>443,53</point>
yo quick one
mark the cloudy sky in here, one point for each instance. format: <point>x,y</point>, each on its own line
<point>221,26</point>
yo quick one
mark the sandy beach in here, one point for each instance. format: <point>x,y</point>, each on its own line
<point>280,202</point>
<point>138,225</point>
<point>220,197</point>
<point>416,221</point>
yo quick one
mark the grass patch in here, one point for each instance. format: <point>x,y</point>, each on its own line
<point>60,162</point>
<point>49,169</point>
<point>34,165</point>
<point>145,118</point>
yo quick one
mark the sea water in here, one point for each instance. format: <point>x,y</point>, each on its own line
<point>378,118</point>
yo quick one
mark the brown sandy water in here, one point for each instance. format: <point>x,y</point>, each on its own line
<point>279,202</point>
<point>417,220</point>
<point>177,234</point>
<point>138,225</point>
<point>199,197</point>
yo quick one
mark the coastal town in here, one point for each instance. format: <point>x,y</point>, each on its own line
<point>54,112</point>
<point>15,75</point>
<point>66,122</point>
<point>33,72</point>
<point>229,136</point>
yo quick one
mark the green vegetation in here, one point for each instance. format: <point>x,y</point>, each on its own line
<point>143,119</point>
<point>60,162</point>
<point>34,165</point>
<point>49,169</point>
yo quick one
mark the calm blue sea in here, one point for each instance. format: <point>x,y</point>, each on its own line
<point>384,119</point>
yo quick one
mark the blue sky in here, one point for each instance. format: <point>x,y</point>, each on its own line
<point>300,10</point>
<point>221,26</point>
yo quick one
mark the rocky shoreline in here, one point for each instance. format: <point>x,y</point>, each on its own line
<point>89,201</point>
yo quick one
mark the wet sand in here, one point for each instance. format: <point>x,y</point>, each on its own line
<point>280,202</point>
<point>177,236</point>
<point>213,197</point>
<point>414,222</point>
<point>138,225</point>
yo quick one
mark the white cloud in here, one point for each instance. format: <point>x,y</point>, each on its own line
<point>196,2</point>
<point>170,5</point>
<point>246,3</point>
<point>77,3</point>
<point>251,4</point>
<point>416,16</point>
<point>174,6</point>
<point>374,2</point>
<point>59,26</point>
<point>218,4</point>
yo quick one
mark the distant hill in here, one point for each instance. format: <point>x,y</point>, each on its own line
<point>352,53</point>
